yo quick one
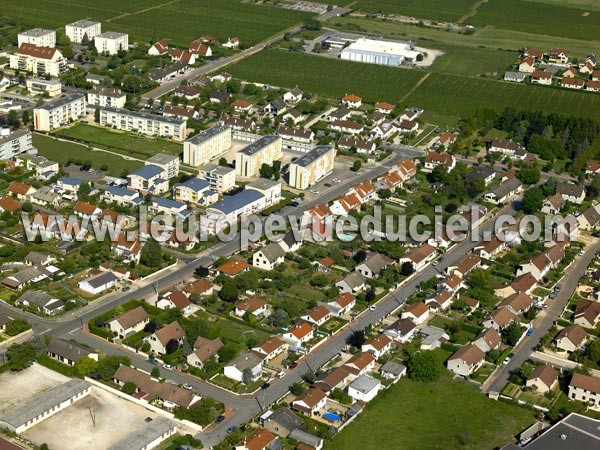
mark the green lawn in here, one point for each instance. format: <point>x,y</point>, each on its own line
<point>448,10</point>
<point>530,17</point>
<point>61,152</point>
<point>444,415</point>
<point>137,145</point>
<point>487,37</point>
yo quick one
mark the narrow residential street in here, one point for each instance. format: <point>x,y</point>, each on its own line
<point>544,321</point>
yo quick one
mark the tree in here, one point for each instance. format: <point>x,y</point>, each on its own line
<point>533,199</point>
<point>17,326</point>
<point>297,389</point>
<point>20,356</point>
<point>109,364</point>
<point>247,376</point>
<point>151,255</point>
<point>150,327</point>
<point>359,256</point>
<point>85,188</point>
<point>229,291</point>
<point>44,446</point>
<point>423,367</point>
<point>86,366</point>
<point>529,174</point>
<point>512,334</point>
<point>223,162</point>
<point>97,115</point>
<point>25,117</point>
<point>27,207</point>
<point>266,171</point>
<point>12,119</point>
<point>226,353</point>
<point>155,373</point>
<point>407,268</point>
<point>129,388</point>
<point>357,165</point>
<point>172,346</point>
<point>370,296</point>
<point>357,339</point>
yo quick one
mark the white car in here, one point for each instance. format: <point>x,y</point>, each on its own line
<point>373,307</point>
<point>281,374</point>
<point>187,386</point>
<point>581,253</point>
<point>314,191</point>
<point>167,367</point>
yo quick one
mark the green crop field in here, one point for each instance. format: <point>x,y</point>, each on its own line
<point>553,20</point>
<point>61,152</point>
<point>185,21</point>
<point>445,414</point>
<point>471,61</point>
<point>587,5</point>
<point>178,21</point>
<point>459,96</point>
<point>326,76</point>
<point>139,146</point>
<point>483,37</point>
<point>450,10</point>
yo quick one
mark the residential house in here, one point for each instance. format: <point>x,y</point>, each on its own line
<point>408,126</point>
<point>347,126</point>
<point>203,350</point>
<point>558,55</point>
<point>293,96</point>
<point>504,192</point>
<point>516,77</point>
<point>553,204</point>
<point>587,313</point>
<point>434,159</point>
<point>86,210</point>
<point>541,77</point>
<point>129,322</point>
<point>177,300</point>
<point>489,339</point>
<point>68,352</point>
<point>159,48</point>
<point>360,364</point>
<point>573,193</point>
<point>269,256</point>
<point>402,330</point>
<point>392,370</point>
<point>149,179</point>
<point>541,264</point>
<point>420,256</point>
<point>519,303</point>
<point>342,304</point>
<point>506,147</point>
<point>317,316</point>
<point>9,204</point>
<point>159,340</point>
<point>121,196</point>
<point>373,265</point>
<point>260,439</point>
<point>98,283</point>
<point>269,349</point>
<point>41,301</point>
<point>364,388</point>
<point>543,379</point>
<point>252,305</point>
<point>282,421</point>
<point>527,64</point>
<point>129,249</point>
<point>466,360</point>
<point>417,312</point>
<point>353,283</point>
<point>246,361</point>
<point>571,338</point>
<point>352,101</point>
<point>299,334</point>
<point>464,265</point>
<point>310,402</point>
<point>20,191</point>
<point>499,319</point>
<point>586,389</point>
<point>378,345</point>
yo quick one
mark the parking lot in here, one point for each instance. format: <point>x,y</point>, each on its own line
<point>114,419</point>
<point>16,388</point>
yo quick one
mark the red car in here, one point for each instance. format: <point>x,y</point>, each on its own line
<point>293,365</point>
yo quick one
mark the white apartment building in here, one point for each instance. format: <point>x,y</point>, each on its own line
<point>59,112</point>
<point>14,143</point>
<point>143,123</point>
<point>249,160</point>
<point>111,42</point>
<point>37,36</point>
<point>40,86</point>
<point>38,60</point>
<point>312,167</point>
<point>76,31</point>
<point>169,163</point>
<point>103,96</point>
<point>220,178</point>
<point>207,145</point>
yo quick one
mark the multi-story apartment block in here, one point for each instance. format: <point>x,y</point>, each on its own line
<point>38,60</point>
<point>169,163</point>
<point>196,191</point>
<point>83,29</point>
<point>111,42</point>
<point>220,178</point>
<point>103,96</point>
<point>37,36</point>
<point>264,151</point>
<point>40,86</point>
<point>143,123</point>
<point>313,166</point>
<point>13,143</point>
<point>207,145</point>
<point>59,112</point>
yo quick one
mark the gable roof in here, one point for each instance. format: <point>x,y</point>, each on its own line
<point>84,208</point>
<point>133,317</point>
<point>591,384</point>
<point>417,309</point>
<point>545,373</point>
<point>251,304</point>
<point>19,188</point>
<point>470,353</point>
<point>168,332</point>
<point>574,333</point>
<point>490,336</point>
<point>205,349</point>
<point>37,52</point>
<point>9,204</point>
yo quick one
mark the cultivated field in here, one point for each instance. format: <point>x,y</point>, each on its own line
<point>447,94</point>
<point>461,96</point>
<point>450,10</point>
<point>17,388</point>
<point>179,21</point>
<point>445,414</point>
<point>115,418</point>
<point>471,61</point>
<point>588,5</point>
<point>326,76</point>
<point>531,17</point>
<point>61,152</point>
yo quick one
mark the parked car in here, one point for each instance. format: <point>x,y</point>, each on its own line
<point>167,367</point>
<point>220,418</point>
<point>231,429</point>
<point>529,331</point>
<point>187,386</point>
<point>552,295</point>
<point>294,365</point>
<point>148,419</point>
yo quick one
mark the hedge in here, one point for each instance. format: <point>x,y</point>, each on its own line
<point>450,347</point>
<point>59,367</point>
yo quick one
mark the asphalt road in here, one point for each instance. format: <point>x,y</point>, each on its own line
<point>545,319</point>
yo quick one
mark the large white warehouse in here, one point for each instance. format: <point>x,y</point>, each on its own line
<point>386,53</point>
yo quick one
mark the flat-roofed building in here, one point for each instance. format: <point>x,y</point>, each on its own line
<point>312,167</point>
<point>111,42</point>
<point>14,143</point>
<point>40,86</point>
<point>220,178</point>
<point>387,53</point>
<point>206,145</point>
<point>147,437</point>
<point>37,36</point>
<point>249,160</point>
<point>143,123</point>
<point>83,30</point>
<point>168,162</point>
<point>59,112</point>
